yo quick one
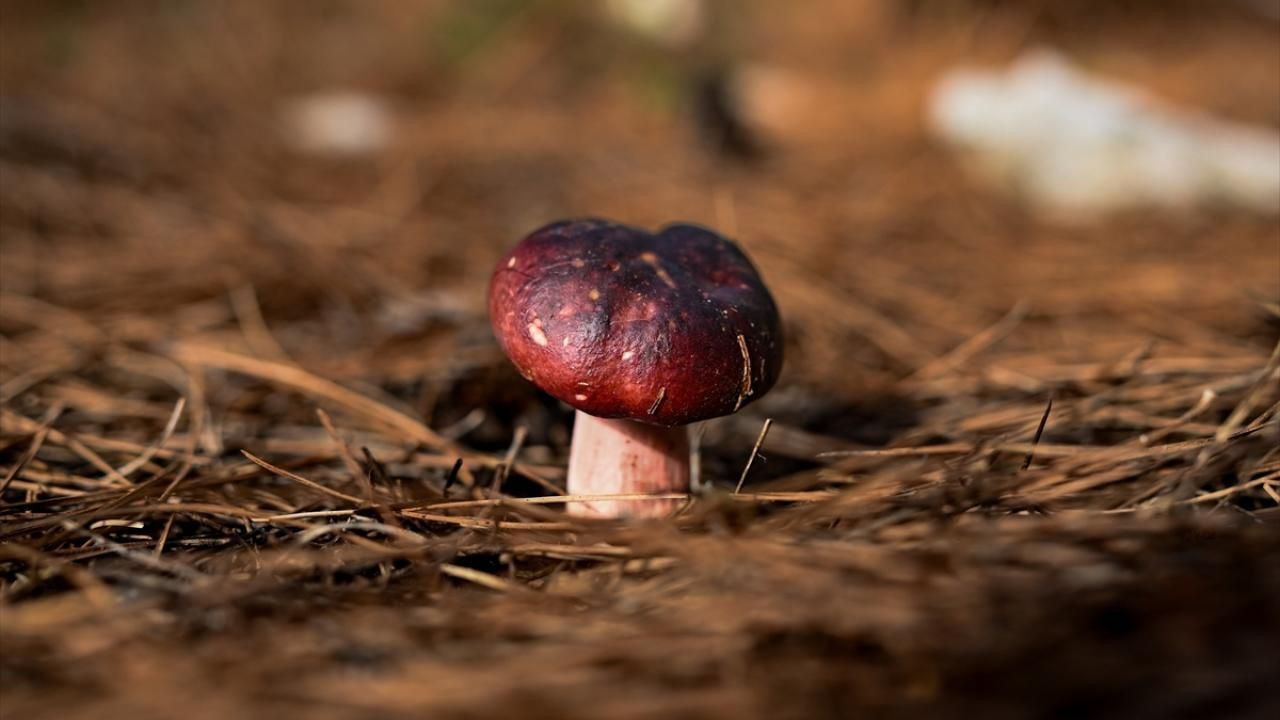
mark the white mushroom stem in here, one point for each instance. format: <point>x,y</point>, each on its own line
<point>624,457</point>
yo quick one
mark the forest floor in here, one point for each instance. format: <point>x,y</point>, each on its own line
<point>237,378</point>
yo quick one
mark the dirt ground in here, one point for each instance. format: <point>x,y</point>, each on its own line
<point>237,375</point>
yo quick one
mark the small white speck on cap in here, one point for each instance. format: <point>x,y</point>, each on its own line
<point>628,354</point>
<point>579,397</point>
<point>511,262</point>
<point>535,332</point>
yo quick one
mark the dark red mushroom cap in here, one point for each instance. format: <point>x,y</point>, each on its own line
<point>666,328</point>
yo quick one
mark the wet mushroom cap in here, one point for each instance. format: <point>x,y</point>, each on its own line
<point>666,328</point>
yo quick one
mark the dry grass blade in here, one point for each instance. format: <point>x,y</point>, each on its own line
<point>1233,490</point>
<point>755,450</point>
<point>300,480</point>
<point>480,578</point>
<point>349,460</point>
<point>170,425</point>
<point>37,440</point>
<point>308,383</point>
<point>975,345</point>
<point>1268,385</point>
<point>112,476</point>
<point>1206,399</point>
<point>1039,432</point>
<point>244,302</point>
<point>508,460</point>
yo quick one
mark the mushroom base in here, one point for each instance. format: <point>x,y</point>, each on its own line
<point>623,457</point>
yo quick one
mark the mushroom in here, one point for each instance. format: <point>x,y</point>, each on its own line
<point>642,333</point>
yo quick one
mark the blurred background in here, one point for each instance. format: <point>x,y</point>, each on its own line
<point>963,208</point>
<point>361,166</point>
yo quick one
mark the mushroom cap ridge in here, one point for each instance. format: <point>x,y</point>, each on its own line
<point>666,328</point>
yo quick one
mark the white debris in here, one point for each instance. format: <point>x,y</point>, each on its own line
<point>1078,145</point>
<point>671,22</point>
<point>338,123</point>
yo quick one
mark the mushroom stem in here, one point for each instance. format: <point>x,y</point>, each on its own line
<point>624,457</point>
